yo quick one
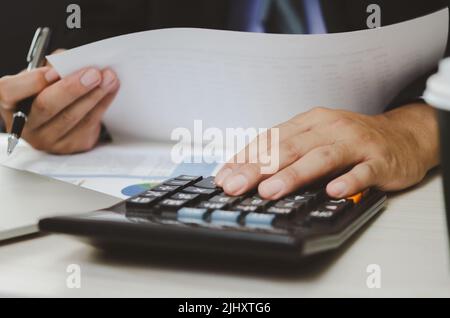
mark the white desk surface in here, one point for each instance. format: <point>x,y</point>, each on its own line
<point>408,240</point>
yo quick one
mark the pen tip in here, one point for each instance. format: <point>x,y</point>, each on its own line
<point>12,143</point>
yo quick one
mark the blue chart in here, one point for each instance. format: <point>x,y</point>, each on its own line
<point>135,189</point>
<point>193,169</point>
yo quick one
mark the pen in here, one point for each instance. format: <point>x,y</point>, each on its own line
<point>35,59</point>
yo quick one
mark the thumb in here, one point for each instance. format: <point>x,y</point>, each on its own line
<point>360,178</point>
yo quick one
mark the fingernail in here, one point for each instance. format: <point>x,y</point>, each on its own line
<point>236,185</point>
<point>51,75</point>
<point>90,78</point>
<point>108,79</point>
<point>270,189</point>
<point>222,175</point>
<point>338,189</point>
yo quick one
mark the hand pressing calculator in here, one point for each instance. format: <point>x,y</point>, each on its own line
<point>190,213</point>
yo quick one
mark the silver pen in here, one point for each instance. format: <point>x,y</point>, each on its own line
<point>35,59</point>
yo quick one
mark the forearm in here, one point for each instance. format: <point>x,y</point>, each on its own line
<point>419,122</point>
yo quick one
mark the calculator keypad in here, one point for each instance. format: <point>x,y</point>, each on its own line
<point>194,200</point>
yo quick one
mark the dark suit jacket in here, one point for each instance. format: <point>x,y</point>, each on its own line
<point>106,18</point>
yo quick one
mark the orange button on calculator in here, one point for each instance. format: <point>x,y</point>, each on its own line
<point>358,197</point>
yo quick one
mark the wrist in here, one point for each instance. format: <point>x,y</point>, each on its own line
<point>417,123</point>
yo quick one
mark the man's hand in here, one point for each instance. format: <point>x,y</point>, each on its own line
<point>66,114</point>
<point>391,151</point>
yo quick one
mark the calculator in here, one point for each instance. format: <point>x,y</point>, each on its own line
<point>191,214</point>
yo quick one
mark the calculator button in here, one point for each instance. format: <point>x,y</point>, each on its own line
<point>189,178</point>
<point>281,211</point>
<point>294,205</point>
<point>225,199</point>
<point>345,202</point>
<point>184,196</point>
<point>255,201</point>
<point>166,188</point>
<point>322,215</point>
<point>173,204</point>
<point>247,208</point>
<point>356,198</point>
<point>140,203</point>
<point>212,205</point>
<point>297,197</point>
<point>203,192</point>
<point>315,195</point>
<point>191,215</point>
<point>307,201</point>
<point>259,220</point>
<point>330,211</point>
<point>207,183</point>
<point>178,183</point>
<point>222,217</point>
<point>154,194</point>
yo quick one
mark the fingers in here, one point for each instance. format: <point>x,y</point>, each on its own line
<point>248,176</point>
<point>360,178</point>
<point>314,165</point>
<point>77,141</point>
<point>67,119</point>
<point>63,93</point>
<point>18,87</point>
<point>255,150</point>
<point>297,125</point>
<point>251,153</point>
<point>84,136</point>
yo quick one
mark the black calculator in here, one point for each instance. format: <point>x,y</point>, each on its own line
<point>192,214</point>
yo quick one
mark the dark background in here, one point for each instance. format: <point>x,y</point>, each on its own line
<point>106,18</point>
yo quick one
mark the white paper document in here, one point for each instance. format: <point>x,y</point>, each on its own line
<point>118,169</point>
<point>171,77</point>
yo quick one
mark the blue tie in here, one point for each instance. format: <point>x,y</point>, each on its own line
<point>314,17</point>
<point>249,15</point>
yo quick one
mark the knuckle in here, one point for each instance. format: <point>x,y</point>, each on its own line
<point>250,170</point>
<point>369,137</point>
<point>40,105</point>
<point>327,156</point>
<point>342,122</point>
<point>319,110</point>
<point>291,147</point>
<point>91,121</point>
<point>68,117</point>
<point>72,87</point>
<point>297,119</point>
<point>291,175</point>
